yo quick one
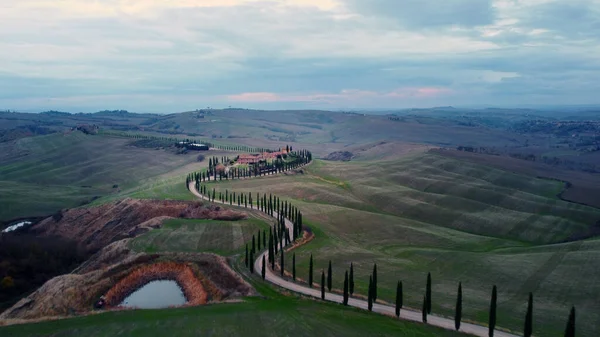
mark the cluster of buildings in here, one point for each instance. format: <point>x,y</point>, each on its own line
<point>258,157</point>
<point>193,146</point>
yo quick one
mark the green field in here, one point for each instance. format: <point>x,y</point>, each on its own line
<point>422,213</point>
<point>255,317</point>
<point>461,222</point>
<point>185,235</point>
<point>40,175</point>
<point>323,132</point>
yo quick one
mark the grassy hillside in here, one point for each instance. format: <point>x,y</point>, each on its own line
<point>323,132</point>
<point>458,220</point>
<point>584,186</point>
<point>40,175</point>
<point>185,235</point>
<point>255,317</point>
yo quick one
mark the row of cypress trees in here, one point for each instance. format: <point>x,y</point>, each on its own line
<point>348,290</point>
<point>297,159</point>
<point>269,204</point>
<point>175,140</point>
<point>277,239</point>
<point>279,235</point>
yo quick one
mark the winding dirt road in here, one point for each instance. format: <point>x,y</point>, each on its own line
<point>406,314</point>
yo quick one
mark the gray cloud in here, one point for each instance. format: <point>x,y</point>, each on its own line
<point>173,58</point>
<point>571,19</point>
<point>429,13</point>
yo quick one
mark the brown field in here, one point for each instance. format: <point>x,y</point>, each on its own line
<point>125,218</point>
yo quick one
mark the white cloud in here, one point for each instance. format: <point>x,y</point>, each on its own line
<point>144,8</point>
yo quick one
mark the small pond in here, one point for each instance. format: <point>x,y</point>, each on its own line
<point>156,294</point>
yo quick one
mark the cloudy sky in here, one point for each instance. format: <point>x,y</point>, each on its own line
<point>174,55</point>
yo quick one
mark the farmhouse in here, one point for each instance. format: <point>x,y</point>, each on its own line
<point>249,158</point>
<point>272,155</point>
<point>258,157</point>
<point>197,146</point>
<point>193,146</point>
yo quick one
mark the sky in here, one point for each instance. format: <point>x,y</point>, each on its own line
<point>177,55</point>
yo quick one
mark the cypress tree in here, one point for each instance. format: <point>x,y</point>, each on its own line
<point>322,284</point>
<point>492,322</point>
<point>275,239</point>
<point>310,272</point>
<point>458,313</point>
<point>264,238</point>
<point>264,268</point>
<point>398,298</point>
<point>251,262</point>
<point>273,262</point>
<point>570,329</point>
<point>294,231</point>
<point>287,236</point>
<point>351,280</point>
<point>370,294</point>
<point>294,267</point>
<point>329,277</point>
<point>346,289</point>
<point>374,290</point>
<point>253,244</point>
<point>428,293</point>
<point>528,330</point>
<point>282,262</point>
<point>271,251</point>
<point>424,310</point>
<point>246,258</point>
<point>258,240</point>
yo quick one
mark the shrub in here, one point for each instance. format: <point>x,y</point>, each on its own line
<point>7,282</point>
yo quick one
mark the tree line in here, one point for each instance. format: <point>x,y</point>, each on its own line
<point>269,204</point>
<point>212,173</point>
<point>279,237</point>
<point>176,141</point>
<point>348,290</point>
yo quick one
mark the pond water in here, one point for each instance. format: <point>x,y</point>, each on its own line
<point>16,226</point>
<point>154,295</point>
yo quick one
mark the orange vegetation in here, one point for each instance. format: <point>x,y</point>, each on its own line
<point>220,168</point>
<point>306,238</point>
<point>181,273</point>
